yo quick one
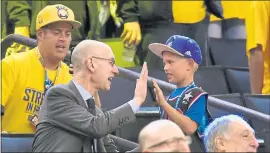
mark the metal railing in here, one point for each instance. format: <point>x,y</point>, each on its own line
<point>10,39</point>
<point>125,73</point>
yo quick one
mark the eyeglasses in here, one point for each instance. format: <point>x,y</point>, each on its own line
<point>173,141</point>
<point>111,61</point>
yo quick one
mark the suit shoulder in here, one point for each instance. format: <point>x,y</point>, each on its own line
<point>59,88</point>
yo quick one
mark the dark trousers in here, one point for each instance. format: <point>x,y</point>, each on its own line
<point>159,33</point>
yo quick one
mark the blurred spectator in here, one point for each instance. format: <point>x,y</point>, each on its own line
<point>230,134</point>
<point>27,76</point>
<point>233,25</point>
<point>14,21</point>
<point>258,46</point>
<point>23,15</point>
<point>163,136</point>
<point>158,20</point>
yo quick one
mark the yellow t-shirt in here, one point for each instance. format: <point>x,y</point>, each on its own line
<point>232,9</point>
<point>188,11</point>
<point>23,78</point>
<point>258,32</point>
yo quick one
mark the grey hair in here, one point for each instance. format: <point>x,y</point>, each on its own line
<point>219,127</point>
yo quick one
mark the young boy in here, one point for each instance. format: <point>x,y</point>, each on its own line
<point>186,105</point>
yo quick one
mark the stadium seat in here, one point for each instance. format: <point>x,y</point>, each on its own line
<point>144,116</point>
<point>16,142</point>
<point>238,79</point>
<point>212,80</point>
<point>260,103</point>
<point>231,98</point>
<point>228,52</point>
<point>123,145</point>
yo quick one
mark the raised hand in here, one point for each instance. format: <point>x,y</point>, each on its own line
<point>159,94</point>
<point>141,86</point>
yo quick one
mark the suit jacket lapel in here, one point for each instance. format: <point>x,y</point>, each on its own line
<point>72,87</point>
<point>87,143</point>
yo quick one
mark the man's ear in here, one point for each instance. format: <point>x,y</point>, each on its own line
<point>39,34</point>
<point>220,143</point>
<point>90,65</point>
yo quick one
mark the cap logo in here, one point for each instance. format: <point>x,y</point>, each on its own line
<point>188,53</point>
<point>62,12</point>
<point>40,20</point>
<point>170,44</point>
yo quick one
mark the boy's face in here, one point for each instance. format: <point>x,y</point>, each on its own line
<point>177,68</point>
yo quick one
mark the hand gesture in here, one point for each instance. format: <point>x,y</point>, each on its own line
<point>141,86</point>
<point>15,47</point>
<point>159,94</point>
<point>131,34</point>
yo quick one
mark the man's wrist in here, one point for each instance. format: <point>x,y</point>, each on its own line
<point>137,101</point>
<point>135,107</point>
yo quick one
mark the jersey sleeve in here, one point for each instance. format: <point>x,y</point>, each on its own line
<point>257,25</point>
<point>197,109</point>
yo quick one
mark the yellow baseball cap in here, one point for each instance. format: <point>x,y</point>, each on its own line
<point>56,13</point>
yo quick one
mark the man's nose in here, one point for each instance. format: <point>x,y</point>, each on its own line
<point>254,142</point>
<point>115,70</point>
<point>63,37</point>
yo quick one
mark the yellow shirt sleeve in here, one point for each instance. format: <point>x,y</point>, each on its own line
<point>9,77</point>
<point>257,25</point>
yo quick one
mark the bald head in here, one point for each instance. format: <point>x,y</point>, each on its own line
<point>87,48</point>
<point>158,131</point>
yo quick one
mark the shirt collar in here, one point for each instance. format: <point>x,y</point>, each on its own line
<point>84,93</point>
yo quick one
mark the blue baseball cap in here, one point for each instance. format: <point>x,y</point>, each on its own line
<point>180,45</point>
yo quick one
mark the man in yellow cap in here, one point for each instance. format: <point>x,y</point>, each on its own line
<point>27,76</point>
<point>21,16</point>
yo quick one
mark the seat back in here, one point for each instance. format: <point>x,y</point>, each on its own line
<point>238,79</point>
<point>143,117</point>
<point>228,52</point>
<point>231,98</point>
<point>211,79</point>
<point>17,142</point>
<point>260,103</point>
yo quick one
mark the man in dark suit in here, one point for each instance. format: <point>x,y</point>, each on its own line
<point>69,121</point>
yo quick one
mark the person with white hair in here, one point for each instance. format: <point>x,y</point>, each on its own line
<point>163,136</point>
<point>230,134</point>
